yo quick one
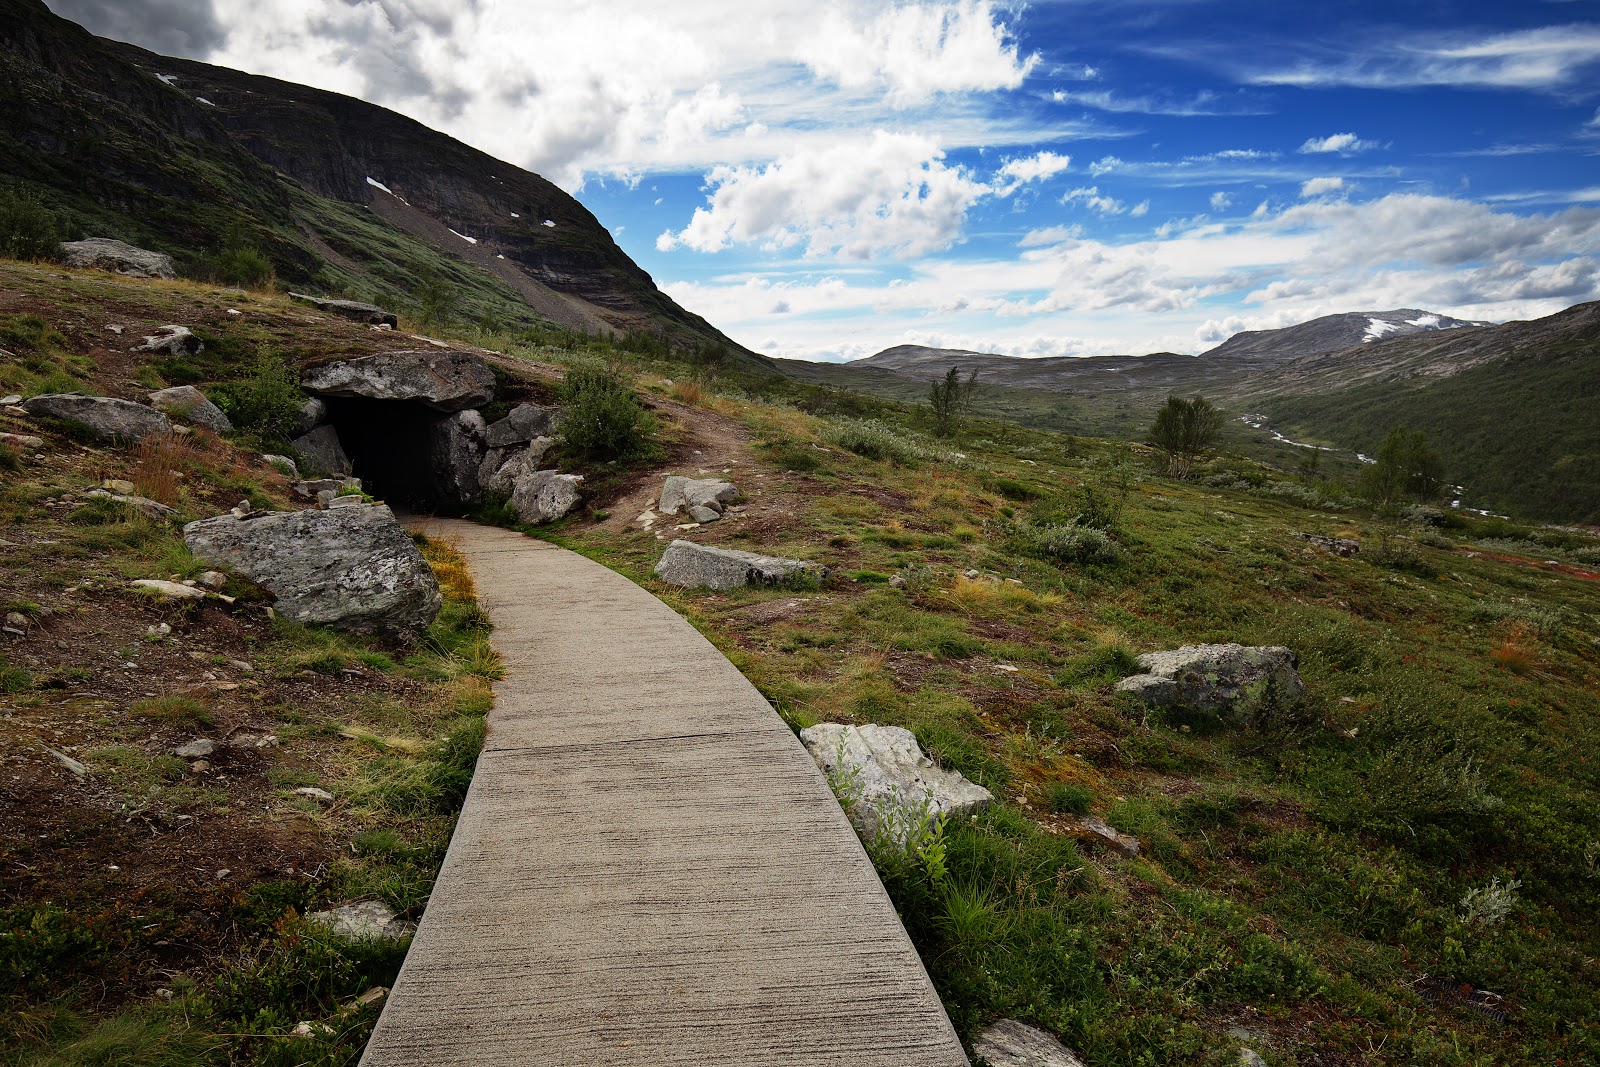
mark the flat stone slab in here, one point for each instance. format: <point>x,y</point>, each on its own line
<point>641,879</point>
<point>105,417</point>
<point>707,567</point>
<point>371,314</point>
<point>447,381</point>
<point>1009,1043</point>
<point>104,253</point>
<point>895,786</point>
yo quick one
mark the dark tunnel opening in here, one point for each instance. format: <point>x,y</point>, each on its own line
<point>389,443</point>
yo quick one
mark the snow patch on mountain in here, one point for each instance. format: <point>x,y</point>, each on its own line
<point>1376,328</point>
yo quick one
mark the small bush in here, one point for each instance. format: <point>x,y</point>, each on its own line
<point>27,229</point>
<point>267,403</point>
<point>1082,545</point>
<point>1069,798</point>
<point>602,418</point>
<point>872,439</point>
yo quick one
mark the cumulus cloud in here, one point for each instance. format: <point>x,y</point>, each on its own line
<point>188,28</point>
<point>888,194</point>
<point>1272,268</point>
<point>1015,173</point>
<point>1343,144</point>
<point>621,87</point>
<point>1320,186</point>
<point>916,51</point>
<point>1220,201</point>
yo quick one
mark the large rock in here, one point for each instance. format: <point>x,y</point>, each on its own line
<point>321,453</point>
<point>371,314</point>
<point>455,453</point>
<point>102,253</point>
<point>190,404</point>
<point>545,496</point>
<point>107,418</point>
<point>526,422</point>
<point>173,341</point>
<point>686,494</point>
<point>313,413</point>
<point>1239,683</point>
<point>703,567</point>
<point>1009,1043</point>
<point>501,467</point>
<point>892,787</point>
<point>352,568</point>
<point>448,381</point>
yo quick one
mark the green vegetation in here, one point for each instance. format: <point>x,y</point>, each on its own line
<point>27,229</point>
<point>950,398</point>
<point>1405,468</point>
<point>1183,429</point>
<point>601,417</point>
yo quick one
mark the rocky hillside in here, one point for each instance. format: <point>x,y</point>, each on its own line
<point>342,196</point>
<point>1331,333</point>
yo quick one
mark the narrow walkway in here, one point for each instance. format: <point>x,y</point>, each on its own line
<point>649,870</point>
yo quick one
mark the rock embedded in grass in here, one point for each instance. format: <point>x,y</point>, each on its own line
<point>371,314</point>
<point>687,494</point>
<point>352,568</point>
<point>1236,683</point>
<point>893,784</point>
<point>704,567</point>
<point>103,253</point>
<point>367,920</point>
<point>173,340</point>
<point>1009,1043</point>
<point>190,404</point>
<point>105,418</point>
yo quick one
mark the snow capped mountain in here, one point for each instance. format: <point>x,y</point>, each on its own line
<point>1388,324</point>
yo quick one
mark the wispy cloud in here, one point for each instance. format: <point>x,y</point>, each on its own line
<point>1548,58</point>
<point>1321,186</point>
<point>1015,173</point>
<point>1202,103</point>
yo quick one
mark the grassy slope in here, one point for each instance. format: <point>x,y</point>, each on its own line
<point>1524,433</point>
<point>1298,880</point>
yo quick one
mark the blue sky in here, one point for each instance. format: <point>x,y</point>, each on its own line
<point>824,180</point>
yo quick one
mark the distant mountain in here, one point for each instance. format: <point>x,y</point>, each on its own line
<point>1331,333</point>
<point>1513,408</point>
<point>343,196</point>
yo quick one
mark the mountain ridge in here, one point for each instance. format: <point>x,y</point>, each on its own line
<point>184,157</point>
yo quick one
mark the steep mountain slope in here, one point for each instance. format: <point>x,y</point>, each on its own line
<point>189,159</point>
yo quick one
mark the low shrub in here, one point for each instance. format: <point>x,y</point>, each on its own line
<point>266,403</point>
<point>602,418</point>
<point>1069,798</point>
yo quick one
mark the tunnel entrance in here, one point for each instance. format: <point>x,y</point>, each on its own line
<point>389,443</point>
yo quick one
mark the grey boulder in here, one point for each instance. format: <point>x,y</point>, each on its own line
<point>173,341</point>
<point>313,413</point>
<point>545,496</point>
<point>351,568</point>
<point>703,514</point>
<point>103,253</point>
<point>190,404</point>
<point>1233,682</point>
<point>704,567</point>
<point>446,381</point>
<point>455,454</point>
<point>107,418</point>
<point>371,314</point>
<point>890,786</point>
<point>525,423</point>
<point>321,453</point>
<point>686,494</point>
<point>502,467</point>
<point>1339,546</point>
<point>1009,1043</point>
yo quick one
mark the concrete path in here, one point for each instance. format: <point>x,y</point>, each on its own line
<point>649,870</point>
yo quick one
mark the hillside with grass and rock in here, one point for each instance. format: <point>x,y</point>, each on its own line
<point>1227,766</point>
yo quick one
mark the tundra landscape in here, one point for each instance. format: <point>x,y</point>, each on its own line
<point>428,640</point>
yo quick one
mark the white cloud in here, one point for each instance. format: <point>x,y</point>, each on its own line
<point>1185,291</point>
<point>1204,102</point>
<point>1104,165</point>
<point>1015,173</point>
<point>916,51</point>
<point>888,194</point>
<point>1342,143</point>
<point>1139,210</point>
<point>1089,196</point>
<point>1548,58</point>
<point>1320,186</point>
<point>1220,201</point>
<point>626,87</point>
